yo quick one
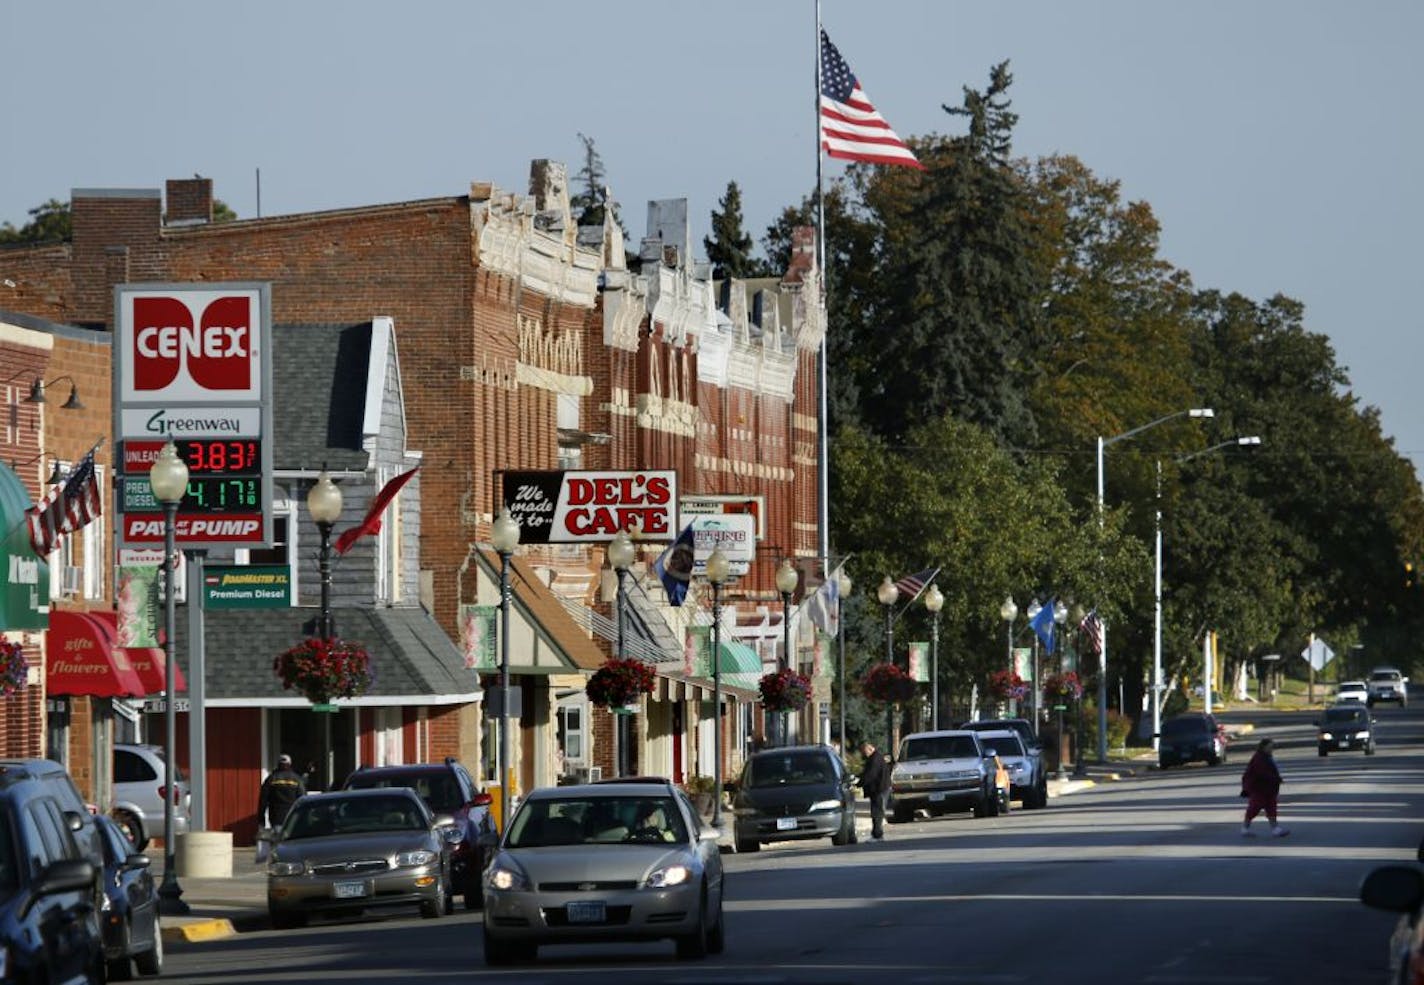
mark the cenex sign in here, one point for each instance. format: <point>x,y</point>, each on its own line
<point>566,507</point>
<point>194,361</point>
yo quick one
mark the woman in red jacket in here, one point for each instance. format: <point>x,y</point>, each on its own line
<point>1261,784</point>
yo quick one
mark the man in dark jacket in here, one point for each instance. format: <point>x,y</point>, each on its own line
<point>875,781</point>
<point>279,792</point>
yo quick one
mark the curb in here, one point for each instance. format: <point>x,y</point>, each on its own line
<point>196,931</point>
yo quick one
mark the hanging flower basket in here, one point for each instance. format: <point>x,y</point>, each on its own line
<point>1007,686</point>
<point>784,690</point>
<point>1066,686</point>
<point>619,682</point>
<point>887,682</point>
<point>14,671</point>
<point>325,669</point>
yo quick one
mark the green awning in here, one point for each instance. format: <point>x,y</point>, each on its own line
<point>24,597</point>
<point>738,658</point>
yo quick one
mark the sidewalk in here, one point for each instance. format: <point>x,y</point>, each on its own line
<point>220,908</point>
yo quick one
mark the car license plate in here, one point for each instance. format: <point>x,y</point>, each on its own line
<point>586,912</point>
<point>937,797</point>
<point>350,890</point>
<point>786,824</point>
<point>1344,743</point>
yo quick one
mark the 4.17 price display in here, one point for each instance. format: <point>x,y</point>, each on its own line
<point>222,494</point>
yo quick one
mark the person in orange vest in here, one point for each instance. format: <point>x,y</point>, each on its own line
<point>1001,784</point>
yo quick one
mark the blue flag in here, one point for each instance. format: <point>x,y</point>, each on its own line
<point>1042,624</point>
<point>674,567</point>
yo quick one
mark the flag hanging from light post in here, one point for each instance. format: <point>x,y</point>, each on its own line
<point>824,608</point>
<point>674,566</point>
<point>67,508</point>
<point>851,128</point>
<point>1092,628</point>
<point>913,585</point>
<point>1043,626</point>
<point>371,523</point>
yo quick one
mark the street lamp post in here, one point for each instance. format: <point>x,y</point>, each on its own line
<point>324,505</point>
<point>504,536</point>
<point>888,595</point>
<point>786,579</point>
<point>1034,608</point>
<point>844,586</point>
<point>934,601</point>
<point>620,555</point>
<point>168,479</point>
<point>1078,615</point>
<point>718,569</point>
<point>1009,612</point>
<point>1103,443</point>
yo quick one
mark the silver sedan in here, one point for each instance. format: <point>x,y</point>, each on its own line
<point>604,862</point>
<point>358,849</point>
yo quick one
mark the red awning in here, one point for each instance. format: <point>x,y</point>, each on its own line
<point>82,659</point>
<point>147,661</point>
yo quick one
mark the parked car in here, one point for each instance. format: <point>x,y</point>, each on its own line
<point>1191,737</point>
<point>140,785</point>
<point>604,863</point>
<point>1400,889</point>
<point>1388,684</point>
<point>453,797</point>
<point>129,913</point>
<point>1344,728</point>
<point>794,792</point>
<point>352,850</point>
<point>1031,787</point>
<point>1008,747</point>
<point>49,924</point>
<point>1352,691</point>
<point>939,772</point>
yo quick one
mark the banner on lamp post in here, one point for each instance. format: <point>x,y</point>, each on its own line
<point>1023,662</point>
<point>920,662</point>
<point>477,636</point>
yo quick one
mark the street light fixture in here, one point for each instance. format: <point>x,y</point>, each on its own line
<point>1034,608</point>
<point>168,480</point>
<point>620,555</point>
<point>324,505</point>
<point>1103,443</point>
<point>934,601</point>
<point>888,595</point>
<point>1008,612</point>
<point>504,536</point>
<point>1078,615</point>
<point>718,570</point>
<point>786,581</point>
<point>844,585</point>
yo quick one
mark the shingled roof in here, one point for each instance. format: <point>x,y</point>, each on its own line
<point>319,401</point>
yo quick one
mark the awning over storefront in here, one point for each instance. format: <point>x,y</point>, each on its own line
<point>739,664</point>
<point>147,661</point>
<point>82,659</point>
<point>24,578</point>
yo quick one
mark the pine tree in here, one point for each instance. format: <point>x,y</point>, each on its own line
<point>591,204</point>
<point>729,247</point>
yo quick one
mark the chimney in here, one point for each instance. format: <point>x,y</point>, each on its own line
<point>190,201</point>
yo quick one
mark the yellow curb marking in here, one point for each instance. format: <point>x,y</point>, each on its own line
<point>204,930</point>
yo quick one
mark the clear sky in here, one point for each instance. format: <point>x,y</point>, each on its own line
<point>1278,141</point>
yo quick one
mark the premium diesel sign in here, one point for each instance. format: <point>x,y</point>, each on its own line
<point>567,507</point>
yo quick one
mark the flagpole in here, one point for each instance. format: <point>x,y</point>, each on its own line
<point>823,468</point>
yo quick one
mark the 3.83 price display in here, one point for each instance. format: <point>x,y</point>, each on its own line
<point>222,494</point>
<point>217,457</point>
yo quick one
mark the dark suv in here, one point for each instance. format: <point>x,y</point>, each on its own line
<point>49,925</point>
<point>449,791</point>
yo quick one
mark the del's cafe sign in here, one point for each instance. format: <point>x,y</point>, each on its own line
<point>572,507</point>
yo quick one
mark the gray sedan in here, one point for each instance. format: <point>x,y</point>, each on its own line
<point>604,862</point>
<point>358,849</point>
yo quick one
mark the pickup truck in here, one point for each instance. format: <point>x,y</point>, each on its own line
<point>1387,684</point>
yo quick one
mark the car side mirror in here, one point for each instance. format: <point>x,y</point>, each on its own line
<point>74,820</point>
<point>137,860</point>
<point>481,800</point>
<point>708,833</point>
<point>66,875</point>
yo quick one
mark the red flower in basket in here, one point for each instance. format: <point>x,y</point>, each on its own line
<point>323,669</point>
<point>887,682</point>
<point>13,669</point>
<point>619,682</point>
<point>1063,686</point>
<point>784,690</point>
<point>1005,685</point>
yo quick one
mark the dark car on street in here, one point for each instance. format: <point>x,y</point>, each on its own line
<point>452,796</point>
<point>1345,728</point>
<point>49,924</point>
<point>794,792</point>
<point>129,912</point>
<point>1191,737</point>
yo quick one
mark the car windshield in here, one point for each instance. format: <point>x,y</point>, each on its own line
<point>1180,727</point>
<point>787,769</point>
<point>1340,716</point>
<point>587,820</point>
<point>438,790</point>
<point>938,747</point>
<point>1385,675</point>
<point>9,872</point>
<point>1352,686</point>
<point>333,815</point>
<point>1007,744</point>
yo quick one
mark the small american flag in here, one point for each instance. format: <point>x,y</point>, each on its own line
<point>851,128</point>
<point>1092,628</point>
<point>913,585</point>
<point>66,509</point>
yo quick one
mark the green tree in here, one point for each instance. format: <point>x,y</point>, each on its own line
<point>591,204</point>
<point>49,223</point>
<point>729,248</point>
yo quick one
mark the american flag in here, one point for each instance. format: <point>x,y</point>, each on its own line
<point>850,126</point>
<point>1092,628</point>
<point>913,585</point>
<point>66,509</point>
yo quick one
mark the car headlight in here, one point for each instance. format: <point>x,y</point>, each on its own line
<point>419,857</point>
<point>505,874</point>
<point>826,805</point>
<point>275,868</point>
<point>1363,735</point>
<point>668,875</point>
<point>1326,736</point>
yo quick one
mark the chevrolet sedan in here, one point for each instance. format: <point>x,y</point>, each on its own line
<point>355,850</point>
<point>604,862</point>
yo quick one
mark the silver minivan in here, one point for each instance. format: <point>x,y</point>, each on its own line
<point>139,786</point>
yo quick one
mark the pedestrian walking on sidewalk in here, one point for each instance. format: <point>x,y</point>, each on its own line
<point>279,792</point>
<point>1261,785</point>
<point>875,781</point>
